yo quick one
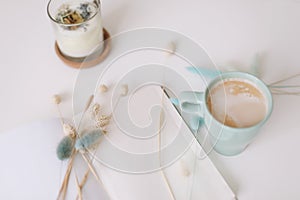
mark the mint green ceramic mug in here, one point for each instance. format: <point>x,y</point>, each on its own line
<point>226,140</point>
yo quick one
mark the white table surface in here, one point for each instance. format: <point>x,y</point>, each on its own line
<point>232,32</point>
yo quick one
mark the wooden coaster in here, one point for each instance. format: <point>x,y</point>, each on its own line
<point>88,61</point>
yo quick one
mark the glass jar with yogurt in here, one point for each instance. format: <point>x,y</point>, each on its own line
<point>77,26</point>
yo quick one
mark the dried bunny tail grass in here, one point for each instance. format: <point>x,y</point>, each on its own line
<point>103,88</point>
<point>102,121</point>
<point>105,117</point>
<point>88,140</point>
<point>69,130</point>
<point>65,148</point>
<point>56,99</point>
<point>96,109</point>
<point>124,89</point>
<point>171,48</point>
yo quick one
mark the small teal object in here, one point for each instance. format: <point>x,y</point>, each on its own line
<point>88,140</point>
<point>65,148</point>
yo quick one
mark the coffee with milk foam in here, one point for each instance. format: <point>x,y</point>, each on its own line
<point>237,103</point>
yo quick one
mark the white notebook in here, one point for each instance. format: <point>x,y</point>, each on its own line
<point>30,170</point>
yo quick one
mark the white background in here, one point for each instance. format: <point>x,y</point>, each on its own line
<point>231,31</point>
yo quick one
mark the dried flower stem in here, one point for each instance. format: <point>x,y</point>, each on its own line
<point>285,79</point>
<point>88,104</point>
<point>60,115</point>
<point>64,186</point>
<point>57,101</point>
<point>87,160</point>
<point>276,91</point>
<point>90,169</point>
<point>78,187</point>
<point>86,175</point>
<point>123,93</point>
<point>82,183</point>
<point>63,189</point>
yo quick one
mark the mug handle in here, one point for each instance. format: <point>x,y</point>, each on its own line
<point>191,106</point>
<point>191,102</point>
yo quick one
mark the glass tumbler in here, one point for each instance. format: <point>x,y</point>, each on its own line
<point>77,27</point>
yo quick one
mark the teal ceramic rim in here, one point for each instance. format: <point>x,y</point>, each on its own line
<point>254,80</point>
